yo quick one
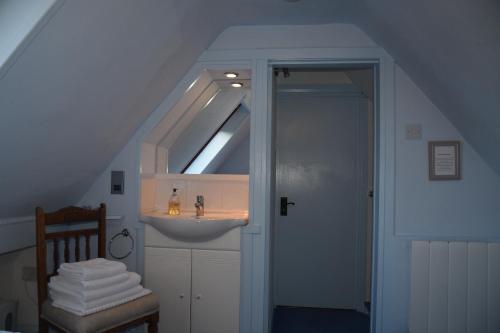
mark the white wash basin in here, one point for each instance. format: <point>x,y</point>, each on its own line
<point>189,228</point>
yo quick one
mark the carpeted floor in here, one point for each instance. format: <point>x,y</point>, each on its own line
<point>313,320</point>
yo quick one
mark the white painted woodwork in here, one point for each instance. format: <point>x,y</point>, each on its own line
<point>493,287</point>
<point>477,276</point>
<point>161,159</point>
<point>168,274</point>
<point>148,158</point>
<point>419,287</point>
<point>438,283</point>
<point>199,289</point>
<point>191,91</point>
<point>455,287</point>
<point>319,258</point>
<point>187,116</point>
<point>215,291</point>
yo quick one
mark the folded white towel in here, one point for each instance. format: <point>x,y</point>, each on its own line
<point>79,295</point>
<point>89,285</point>
<point>110,302</point>
<point>91,269</point>
<point>62,298</point>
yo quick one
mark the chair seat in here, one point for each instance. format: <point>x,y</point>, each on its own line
<point>103,320</point>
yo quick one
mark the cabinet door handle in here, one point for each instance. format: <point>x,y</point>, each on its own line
<point>198,296</point>
<point>181,296</point>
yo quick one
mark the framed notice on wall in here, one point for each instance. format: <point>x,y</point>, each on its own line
<point>444,160</point>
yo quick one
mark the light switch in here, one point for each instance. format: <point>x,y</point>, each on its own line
<point>117,182</point>
<point>413,132</point>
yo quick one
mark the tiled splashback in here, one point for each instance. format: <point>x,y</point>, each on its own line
<point>222,192</point>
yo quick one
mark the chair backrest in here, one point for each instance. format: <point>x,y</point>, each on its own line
<point>66,215</point>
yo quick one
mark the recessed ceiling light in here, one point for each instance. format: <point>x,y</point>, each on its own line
<point>236,84</point>
<point>231,75</point>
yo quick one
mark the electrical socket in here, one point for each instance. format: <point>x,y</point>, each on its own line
<point>29,273</point>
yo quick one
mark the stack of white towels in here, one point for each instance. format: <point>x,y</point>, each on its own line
<point>90,286</point>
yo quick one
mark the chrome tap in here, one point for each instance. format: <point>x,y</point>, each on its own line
<point>200,206</point>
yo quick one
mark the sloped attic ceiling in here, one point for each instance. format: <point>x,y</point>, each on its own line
<point>98,68</point>
<point>93,75</point>
<point>451,49</point>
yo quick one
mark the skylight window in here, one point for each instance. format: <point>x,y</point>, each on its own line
<point>211,150</point>
<point>218,144</point>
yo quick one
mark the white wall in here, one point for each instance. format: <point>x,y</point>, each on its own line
<point>450,210</point>
<point>17,233</point>
<point>291,36</point>
<point>125,205</point>
<point>411,105</point>
<point>432,209</point>
<point>12,287</point>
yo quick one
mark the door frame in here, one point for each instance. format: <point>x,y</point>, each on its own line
<point>255,241</point>
<point>383,181</point>
<point>375,65</point>
<point>360,249</point>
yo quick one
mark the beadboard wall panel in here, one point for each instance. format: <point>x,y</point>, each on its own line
<point>455,287</point>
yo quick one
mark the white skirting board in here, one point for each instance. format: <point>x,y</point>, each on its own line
<point>455,287</point>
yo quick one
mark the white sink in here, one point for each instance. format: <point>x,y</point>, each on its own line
<point>189,228</point>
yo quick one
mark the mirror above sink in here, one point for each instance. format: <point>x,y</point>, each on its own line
<point>199,154</point>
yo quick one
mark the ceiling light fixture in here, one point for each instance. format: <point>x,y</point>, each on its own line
<point>231,75</point>
<point>236,84</point>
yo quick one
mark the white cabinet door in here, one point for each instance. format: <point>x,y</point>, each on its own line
<point>168,275</point>
<point>215,292</point>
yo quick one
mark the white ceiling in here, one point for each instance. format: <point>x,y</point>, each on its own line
<point>99,68</point>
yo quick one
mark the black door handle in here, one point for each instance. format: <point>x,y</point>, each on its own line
<point>284,206</point>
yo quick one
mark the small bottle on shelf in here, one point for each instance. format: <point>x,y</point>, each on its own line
<point>174,204</point>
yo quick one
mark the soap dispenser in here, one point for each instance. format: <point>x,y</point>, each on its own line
<point>174,204</point>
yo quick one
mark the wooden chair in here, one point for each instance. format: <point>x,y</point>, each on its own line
<point>144,310</point>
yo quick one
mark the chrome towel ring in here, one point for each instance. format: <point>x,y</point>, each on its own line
<point>126,234</point>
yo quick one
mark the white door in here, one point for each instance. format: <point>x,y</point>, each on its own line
<point>168,275</point>
<point>318,246</point>
<point>216,292</point>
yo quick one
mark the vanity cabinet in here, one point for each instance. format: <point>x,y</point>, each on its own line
<point>215,303</point>
<point>168,274</point>
<point>199,290</point>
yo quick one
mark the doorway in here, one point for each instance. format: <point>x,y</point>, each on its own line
<point>321,260</point>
